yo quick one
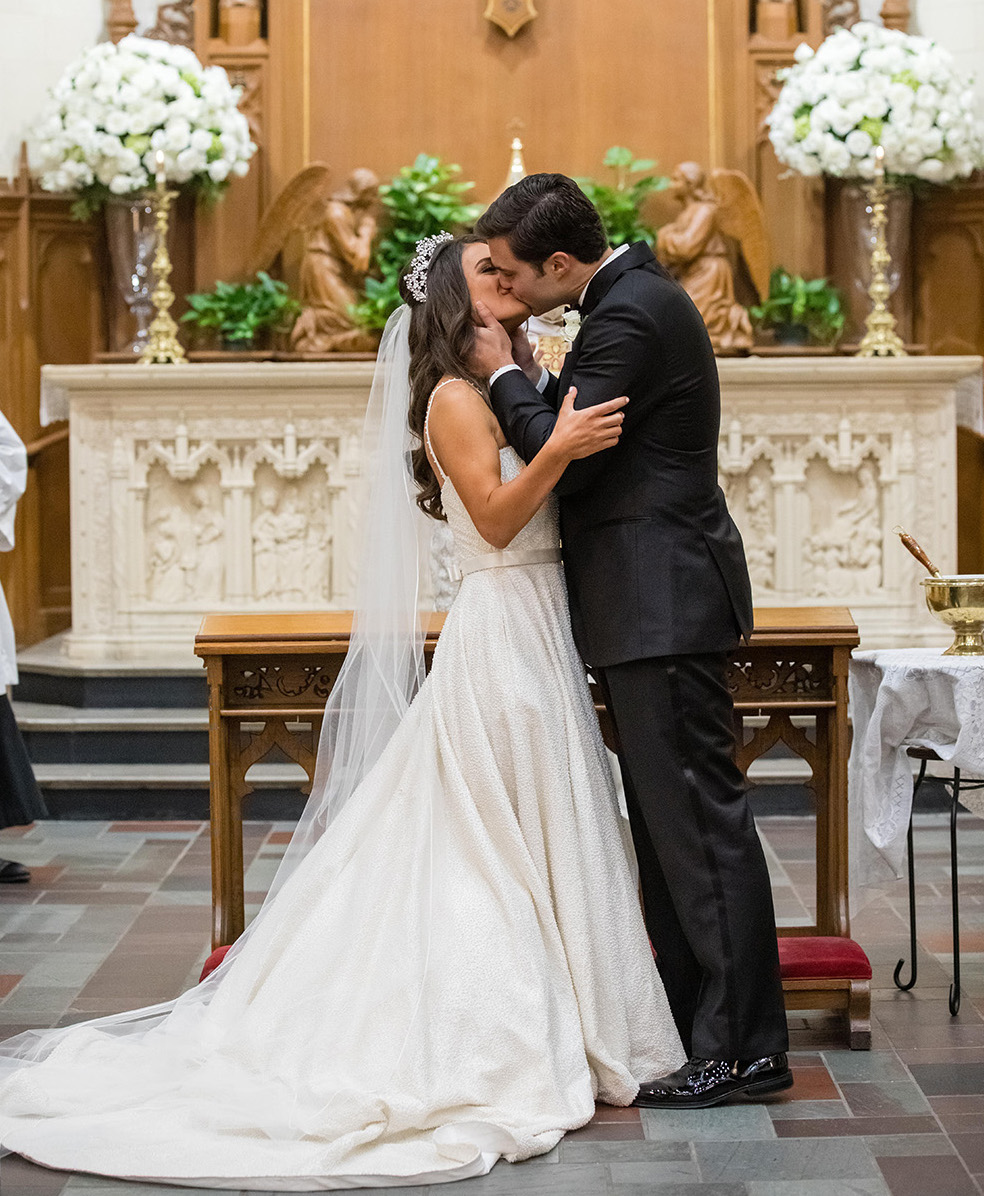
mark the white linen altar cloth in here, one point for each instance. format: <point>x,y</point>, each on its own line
<point>901,698</point>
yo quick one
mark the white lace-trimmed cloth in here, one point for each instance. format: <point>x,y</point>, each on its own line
<point>901,698</point>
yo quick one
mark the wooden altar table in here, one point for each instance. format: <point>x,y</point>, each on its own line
<point>278,669</point>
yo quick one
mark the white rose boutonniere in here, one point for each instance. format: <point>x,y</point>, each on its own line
<point>572,325</point>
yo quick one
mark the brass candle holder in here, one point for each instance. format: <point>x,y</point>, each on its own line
<point>162,346</point>
<point>880,338</point>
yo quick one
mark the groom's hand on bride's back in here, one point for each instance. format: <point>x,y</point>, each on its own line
<point>493,346</point>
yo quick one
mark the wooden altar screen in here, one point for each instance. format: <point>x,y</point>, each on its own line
<point>279,669</point>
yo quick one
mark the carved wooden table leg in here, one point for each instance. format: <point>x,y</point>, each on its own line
<point>226,816</point>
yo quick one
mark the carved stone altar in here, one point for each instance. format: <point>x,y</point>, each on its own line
<point>206,488</point>
<point>821,458</point>
<point>228,487</point>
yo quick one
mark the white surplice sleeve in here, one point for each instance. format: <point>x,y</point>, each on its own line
<point>13,479</point>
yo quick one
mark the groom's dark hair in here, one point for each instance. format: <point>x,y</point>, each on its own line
<point>544,214</point>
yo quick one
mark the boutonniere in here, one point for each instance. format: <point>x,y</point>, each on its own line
<point>572,325</point>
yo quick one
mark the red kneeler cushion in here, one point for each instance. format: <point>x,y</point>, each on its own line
<point>217,957</point>
<point>819,957</point>
<point>804,957</point>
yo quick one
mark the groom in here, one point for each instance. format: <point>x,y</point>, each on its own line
<point>659,595</point>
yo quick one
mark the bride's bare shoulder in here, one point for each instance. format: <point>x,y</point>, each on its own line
<point>457,403</point>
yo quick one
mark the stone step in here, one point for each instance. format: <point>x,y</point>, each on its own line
<point>97,735</point>
<point>48,677</point>
<point>157,776</point>
<point>140,791</point>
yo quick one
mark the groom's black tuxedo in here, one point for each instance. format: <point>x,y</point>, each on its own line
<point>654,562</point>
<point>659,593</point>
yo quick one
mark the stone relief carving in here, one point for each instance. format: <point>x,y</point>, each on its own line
<point>843,555</point>
<point>760,522</point>
<point>226,522</point>
<point>184,537</point>
<point>812,509</point>
<point>291,539</point>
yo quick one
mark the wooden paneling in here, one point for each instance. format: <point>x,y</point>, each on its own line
<point>948,242</point>
<point>948,262</point>
<point>375,83</point>
<point>51,310</point>
<point>391,79</point>
<point>970,502</point>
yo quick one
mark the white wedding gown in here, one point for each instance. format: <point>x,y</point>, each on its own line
<point>453,974</point>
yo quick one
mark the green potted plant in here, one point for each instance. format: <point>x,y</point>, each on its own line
<point>243,311</point>
<point>423,199</point>
<point>619,204</point>
<point>800,311</point>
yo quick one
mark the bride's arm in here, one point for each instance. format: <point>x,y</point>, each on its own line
<point>463,433</point>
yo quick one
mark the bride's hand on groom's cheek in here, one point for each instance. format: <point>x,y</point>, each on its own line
<point>493,348</point>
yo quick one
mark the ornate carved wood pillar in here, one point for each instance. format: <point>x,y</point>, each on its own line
<point>225,231</point>
<point>895,14</point>
<point>239,21</point>
<point>121,20</point>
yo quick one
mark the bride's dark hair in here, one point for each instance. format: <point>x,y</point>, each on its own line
<point>441,339</point>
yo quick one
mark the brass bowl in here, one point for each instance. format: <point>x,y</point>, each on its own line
<point>958,601</point>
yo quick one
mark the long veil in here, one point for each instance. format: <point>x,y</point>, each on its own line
<point>382,672</point>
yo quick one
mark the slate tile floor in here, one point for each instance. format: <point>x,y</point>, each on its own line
<point>118,916</point>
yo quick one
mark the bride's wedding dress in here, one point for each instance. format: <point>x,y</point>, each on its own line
<point>453,974</point>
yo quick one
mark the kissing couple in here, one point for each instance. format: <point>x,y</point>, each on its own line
<point>452,965</point>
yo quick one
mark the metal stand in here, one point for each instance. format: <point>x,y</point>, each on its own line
<point>954,785</point>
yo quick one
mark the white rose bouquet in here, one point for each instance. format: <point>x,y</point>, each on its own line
<point>869,86</point>
<point>117,105</point>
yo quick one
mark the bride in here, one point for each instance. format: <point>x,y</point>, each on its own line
<point>451,965</point>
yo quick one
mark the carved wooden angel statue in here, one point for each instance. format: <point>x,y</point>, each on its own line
<point>697,248</point>
<point>339,228</point>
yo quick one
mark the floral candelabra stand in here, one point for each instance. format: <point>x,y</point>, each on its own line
<point>162,345</point>
<point>872,99</point>
<point>880,338</point>
<point>130,236</point>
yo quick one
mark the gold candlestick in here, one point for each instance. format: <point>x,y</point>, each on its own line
<point>880,338</point>
<point>162,344</point>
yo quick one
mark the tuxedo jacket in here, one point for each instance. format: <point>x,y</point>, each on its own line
<point>654,563</point>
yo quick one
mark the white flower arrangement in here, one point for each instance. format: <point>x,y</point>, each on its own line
<point>572,325</point>
<point>117,105</point>
<point>869,86</point>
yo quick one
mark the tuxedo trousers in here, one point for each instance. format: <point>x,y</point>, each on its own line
<point>705,883</point>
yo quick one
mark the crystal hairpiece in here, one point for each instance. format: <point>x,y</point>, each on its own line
<point>417,275</point>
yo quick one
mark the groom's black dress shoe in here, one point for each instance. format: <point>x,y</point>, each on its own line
<point>701,1083</point>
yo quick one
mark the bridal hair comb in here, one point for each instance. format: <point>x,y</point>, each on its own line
<point>417,274</point>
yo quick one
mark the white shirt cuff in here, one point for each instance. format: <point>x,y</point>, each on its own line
<point>503,369</point>
<point>541,385</point>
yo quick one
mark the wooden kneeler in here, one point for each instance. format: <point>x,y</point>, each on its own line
<point>818,972</point>
<point>827,972</point>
